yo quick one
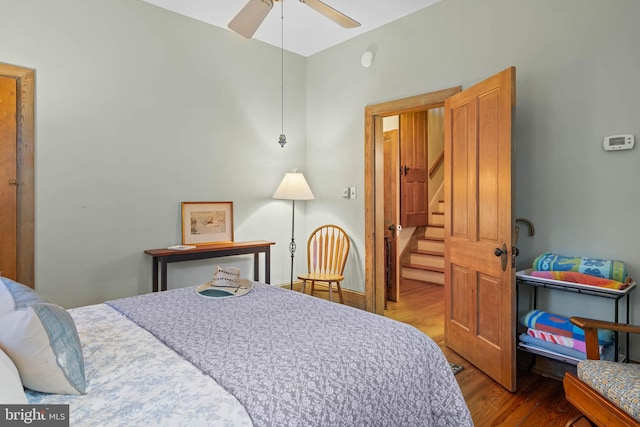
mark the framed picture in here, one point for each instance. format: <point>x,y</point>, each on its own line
<point>207,222</point>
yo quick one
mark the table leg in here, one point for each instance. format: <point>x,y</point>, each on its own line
<point>267,265</point>
<point>256,266</point>
<point>163,274</point>
<point>154,274</point>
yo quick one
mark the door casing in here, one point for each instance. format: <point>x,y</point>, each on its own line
<point>374,186</point>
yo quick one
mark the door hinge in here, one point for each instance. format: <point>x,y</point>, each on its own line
<point>13,182</point>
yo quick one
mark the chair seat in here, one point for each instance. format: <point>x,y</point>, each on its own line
<point>321,277</point>
<point>329,279</point>
<point>618,382</point>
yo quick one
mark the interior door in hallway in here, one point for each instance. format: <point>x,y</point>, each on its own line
<point>414,205</point>
<point>8,178</point>
<point>480,317</point>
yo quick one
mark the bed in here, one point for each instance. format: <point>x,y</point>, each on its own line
<point>271,357</point>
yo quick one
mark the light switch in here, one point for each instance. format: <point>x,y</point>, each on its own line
<point>352,192</point>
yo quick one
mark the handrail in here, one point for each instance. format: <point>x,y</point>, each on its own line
<point>436,164</point>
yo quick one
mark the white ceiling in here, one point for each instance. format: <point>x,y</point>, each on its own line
<point>305,30</point>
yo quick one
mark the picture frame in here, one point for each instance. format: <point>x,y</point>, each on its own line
<point>205,223</point>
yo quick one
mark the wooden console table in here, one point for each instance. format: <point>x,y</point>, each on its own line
<point>163,256</point>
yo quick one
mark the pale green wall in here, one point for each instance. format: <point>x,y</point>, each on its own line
<point>578,80</point>
<point>138,109</point>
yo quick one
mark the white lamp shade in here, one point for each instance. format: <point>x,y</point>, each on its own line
<point>293,187</point>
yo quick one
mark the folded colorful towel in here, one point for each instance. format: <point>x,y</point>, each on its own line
<point>607,352</point>
<point>585,279</point>
<point>597,267</point>
<point>559,339</point>
<point>561,325</point>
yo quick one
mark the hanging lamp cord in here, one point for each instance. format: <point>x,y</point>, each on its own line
<point>282,62</point>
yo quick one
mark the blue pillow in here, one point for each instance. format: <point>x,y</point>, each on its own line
<point>14,295</point>
<point>42,341</point>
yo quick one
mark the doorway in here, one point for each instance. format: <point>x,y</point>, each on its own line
<point>375,268</point>
<point>479,280</point>
<point>18,190</point>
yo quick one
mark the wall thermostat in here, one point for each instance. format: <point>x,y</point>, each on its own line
<point>618,142</point>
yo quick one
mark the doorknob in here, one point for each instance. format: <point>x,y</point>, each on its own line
<point>502,253</point>
<point>395,228</point>
<point>405,170</point>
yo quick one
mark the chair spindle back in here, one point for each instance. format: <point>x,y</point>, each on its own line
<point>327,250</point>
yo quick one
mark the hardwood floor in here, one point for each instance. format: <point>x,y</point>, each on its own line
<point>538,402</point>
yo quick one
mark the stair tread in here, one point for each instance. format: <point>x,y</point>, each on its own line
<point>424,267</point>
<point>426,282</point>
<point>423,252</point>
<point>436,238</point>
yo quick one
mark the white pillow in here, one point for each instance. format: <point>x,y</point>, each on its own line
<point>11,391</point>
<point>14,295</point>
<point>43,343</point>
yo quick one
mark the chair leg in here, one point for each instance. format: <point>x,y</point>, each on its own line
<point>313,286</point>
<point>340,293</point>
<point>304,285</point>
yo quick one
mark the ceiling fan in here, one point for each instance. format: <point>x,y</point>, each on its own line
<point>247,21</point>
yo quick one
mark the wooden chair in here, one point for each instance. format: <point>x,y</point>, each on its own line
<point>327,251</point>
<point>582,390</point>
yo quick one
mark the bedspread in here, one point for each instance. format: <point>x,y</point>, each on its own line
<point>128,383</point>
<point>295,360</point>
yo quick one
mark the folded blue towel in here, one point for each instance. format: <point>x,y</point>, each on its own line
<point>610,269</point>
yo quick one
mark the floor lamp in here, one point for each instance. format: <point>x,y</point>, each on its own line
<point>293,187</point>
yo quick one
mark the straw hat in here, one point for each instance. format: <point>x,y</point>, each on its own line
<point>226,282</point>
<point>229,276</point>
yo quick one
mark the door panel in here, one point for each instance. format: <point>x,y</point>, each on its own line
<point>488,167</point>
<point>460,303</point>
<point>459,158</point>
<point>480,316</point>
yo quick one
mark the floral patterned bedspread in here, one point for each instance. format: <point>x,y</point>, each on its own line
<point>295,360</point>
<point>135,380</point>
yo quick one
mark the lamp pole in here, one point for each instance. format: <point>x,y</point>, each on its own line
<point>292,245</point>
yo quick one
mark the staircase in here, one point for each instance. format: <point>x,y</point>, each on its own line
<point>426,262</point>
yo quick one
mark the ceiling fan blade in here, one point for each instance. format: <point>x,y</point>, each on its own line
<point>337,17</point>
<point>247,21</point>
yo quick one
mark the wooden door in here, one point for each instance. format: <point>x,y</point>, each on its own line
<point>23,119</point>
<point>8,179</point>
<point>480,317</point>
<point>414,205</point>
<point>391,188</point>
